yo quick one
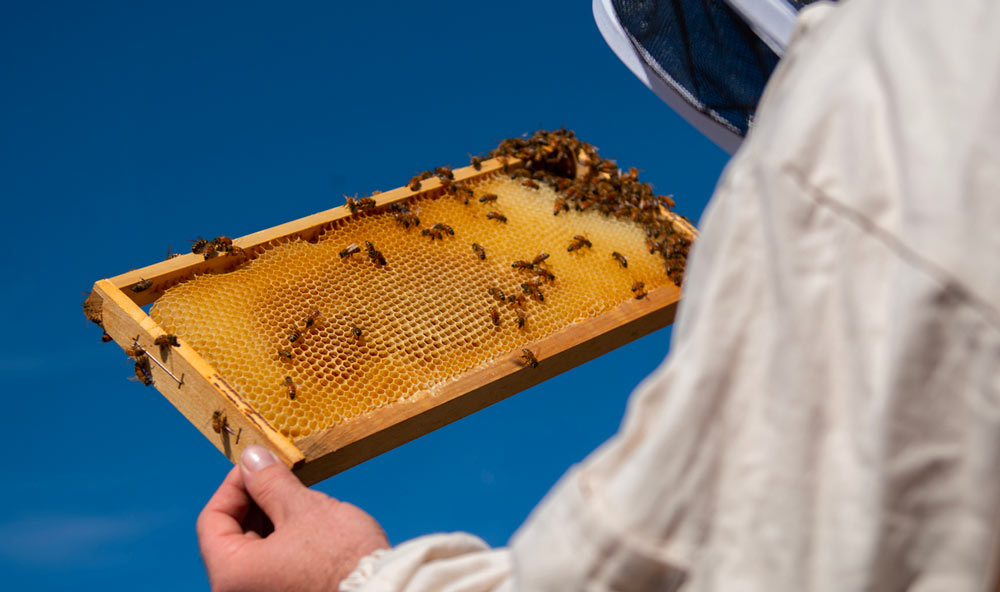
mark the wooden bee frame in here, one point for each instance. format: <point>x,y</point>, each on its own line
<point>199,392</point>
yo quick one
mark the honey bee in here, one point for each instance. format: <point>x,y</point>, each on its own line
<point>366,203</point>
<point>495,316</point>
<point>294,335</point>
<point>498,294</point>
<point>520,319</point>
<point>220,423</point>
<point>478,250</point>
<point>539,258</point>
<point>444,227</point>
<point>284,353</point>
<point>477,163</point>
<point>444,172</point>
<point>519,264</point>
<point>142,285</point>
<point>639,288</point>
<point>356,331</point>
<point>166,340</point>
<point>210,252</point>
<point>142,371</point>
<point>529,358</point>
<point>518,300</point>
<point>222,243</point>
<point>134,352</point>
<point>496,216</point>
<point>374,255</point>
<point>290,386</point>
<point>407,218</point>
<point>351,204</point>
<point>414,183</point>
<point>620,258</point>
<point>488,197</point>
<point>235,251</point>
<point>545,275</point>
<point>468,193</point>
<point>92,310</point>
<point>350,250</point>
<point>559,205</point>
<point>198,245</point>
<point>171,254</point>
<point>579,241</point>
<point>531,288</point>
<point>105,337</point>
<point>433,233</point>
<point>530,183</point>
<point>311,319</point>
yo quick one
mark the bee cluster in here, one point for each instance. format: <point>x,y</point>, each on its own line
<point>210,249</point>
<point>417,292</point>
<point>588,182</point>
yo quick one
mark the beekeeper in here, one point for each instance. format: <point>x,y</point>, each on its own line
<point>829,414</point>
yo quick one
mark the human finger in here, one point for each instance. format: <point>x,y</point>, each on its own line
<point>225,510</point>
<point>270,483</point>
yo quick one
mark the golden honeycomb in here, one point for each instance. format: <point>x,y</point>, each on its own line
<point>424,317</point>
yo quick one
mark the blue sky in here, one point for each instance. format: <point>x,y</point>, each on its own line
<point>127,128</point>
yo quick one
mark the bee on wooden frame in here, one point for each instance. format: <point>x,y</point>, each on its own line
<point>166,340</point>
<point>529,357</point>
<point>220,423</point>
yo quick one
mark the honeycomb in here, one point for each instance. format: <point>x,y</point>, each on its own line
<point>310,338</point>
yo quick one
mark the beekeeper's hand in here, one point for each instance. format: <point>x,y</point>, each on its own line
<point>264,530</point>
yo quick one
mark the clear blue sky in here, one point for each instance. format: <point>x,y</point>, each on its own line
<point>130,127</point>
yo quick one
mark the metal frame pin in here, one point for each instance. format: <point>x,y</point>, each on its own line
<point>135,344</point>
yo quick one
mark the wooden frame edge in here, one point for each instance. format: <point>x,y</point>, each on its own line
<point>166,274</point>
<point>362,438</point>
<point>184,368</point>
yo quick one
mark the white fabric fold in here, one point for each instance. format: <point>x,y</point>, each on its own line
<point>829,416</point>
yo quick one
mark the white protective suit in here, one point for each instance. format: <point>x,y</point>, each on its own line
<point>829,416</point>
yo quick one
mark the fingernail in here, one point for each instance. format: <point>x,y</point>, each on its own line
<point>255,458</point>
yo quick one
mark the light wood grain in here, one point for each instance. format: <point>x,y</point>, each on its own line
<point>202,392</point>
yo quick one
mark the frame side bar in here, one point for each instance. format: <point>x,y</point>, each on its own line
<point>190,383</point>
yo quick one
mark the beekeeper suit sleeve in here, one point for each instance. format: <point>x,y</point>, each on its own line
<point>829,415</point>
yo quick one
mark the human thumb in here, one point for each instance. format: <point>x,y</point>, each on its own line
<point>270,483</point>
